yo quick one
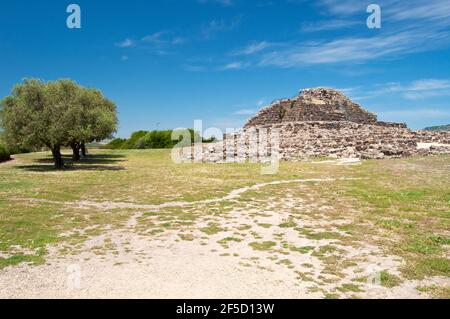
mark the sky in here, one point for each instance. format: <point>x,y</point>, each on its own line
<point>168,63</point>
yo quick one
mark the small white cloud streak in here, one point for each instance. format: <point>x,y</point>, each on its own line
<point>419,89</point>
<point>233,66</point>
<point>253,48</point>
<point>328,25</point>
<point>245,112</point>
<point>415,114</point>
<point>127,43</point>
<point>216,26</point>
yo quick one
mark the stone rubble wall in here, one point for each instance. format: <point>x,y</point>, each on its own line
<point>300,140</point>
<point>345,139</point>
<point>432,137</point>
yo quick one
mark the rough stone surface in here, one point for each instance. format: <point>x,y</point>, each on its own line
<point>319,123</point>
<point>313,105</point>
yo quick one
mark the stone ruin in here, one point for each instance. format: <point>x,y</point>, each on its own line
<point>320,122</point>
<point>313,105</point>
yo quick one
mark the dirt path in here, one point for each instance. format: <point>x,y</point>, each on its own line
<point>261,260</point>
<point>231,196</point>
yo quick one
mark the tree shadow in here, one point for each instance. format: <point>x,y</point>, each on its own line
<point>94,162</point>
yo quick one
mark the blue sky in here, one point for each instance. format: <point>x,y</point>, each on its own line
<point>171,62</point>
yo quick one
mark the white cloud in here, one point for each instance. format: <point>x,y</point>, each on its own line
<point>343,7</point>
<point>419,89</point>
<point>158,41</point>
<point>356,49</point>
<point>216,26</point>
<point>414,26</point>
<point>436,12</point>
<point>162,38</point>
<point>327,25</point>
<point>253,48</point>
<point>423,113</point>
<point>419,10</point>
<point>127,43</point>
<point>261,102</point>
<point>233,66</point>
<point>245,112</point>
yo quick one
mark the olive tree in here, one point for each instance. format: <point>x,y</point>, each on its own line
<point>55,114</point>
<point>95,120</point>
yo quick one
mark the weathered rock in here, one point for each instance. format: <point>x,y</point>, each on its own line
<point>319,104</point>
<point>319,122</point>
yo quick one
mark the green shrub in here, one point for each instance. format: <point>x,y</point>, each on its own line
<point>18,150</point>
<point>116,144</point>
<point>158,140</point>
<point>132,142</point>
<point>4,154</point>
<point>151,140</point>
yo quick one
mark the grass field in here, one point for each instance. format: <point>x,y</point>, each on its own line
<point>327,231</point>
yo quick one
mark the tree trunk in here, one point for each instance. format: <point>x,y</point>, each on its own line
<point>83,150</point>
<point>76,152</point>
<point>59,162</point>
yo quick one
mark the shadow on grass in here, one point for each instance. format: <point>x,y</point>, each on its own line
<point>95,162</point>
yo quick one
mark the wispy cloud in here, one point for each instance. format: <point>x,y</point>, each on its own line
<point>355,49</point>
<point>413,90</point>
<point>428,113</point>
<point>414,26</point>
<point>163,38</point>
<point>216,26</point>
<point>419,89</point>
<point>249,109</point>
<point>159,41</point>
<point>253,48</point>
<point>393,10</point>
<point>225,3</point>
<point>245,112</point>
<point>327,25</point>
<point>127,43</point>
<point>233,66</point>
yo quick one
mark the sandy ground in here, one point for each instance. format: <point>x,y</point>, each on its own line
<point>138,265</point>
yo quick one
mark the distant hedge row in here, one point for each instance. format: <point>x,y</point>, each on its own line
<point>150,140</point>
<point>4,154</point>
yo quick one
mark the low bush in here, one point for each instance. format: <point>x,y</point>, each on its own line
<point>4,154</point>
<point>132,142</point>
<point>116,144</point>
<point>19,150</point>
<point>152,140</point>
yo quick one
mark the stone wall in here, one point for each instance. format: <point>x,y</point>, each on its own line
<point>345,139</point>
<point>319,123</point>
<point>432,137</point>
<point>299,140</point>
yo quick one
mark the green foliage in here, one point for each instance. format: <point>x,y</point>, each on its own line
<point>116,144</point>
<point>54,114</point>
<point>4,154</point>
<point>389,280</point>
<point>441,128</point>
<point>267,245</point>
<point>132,143</point>
<point>155,140</point>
